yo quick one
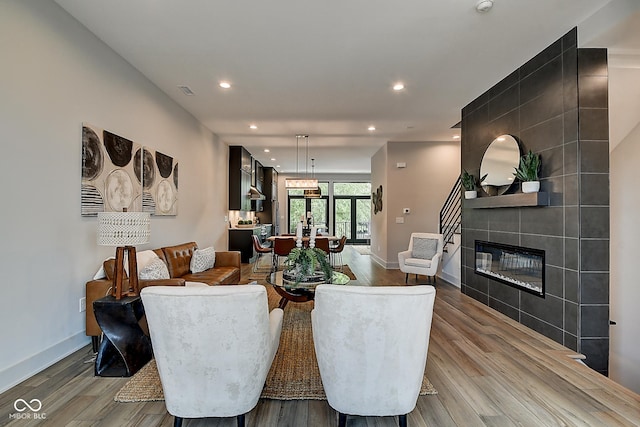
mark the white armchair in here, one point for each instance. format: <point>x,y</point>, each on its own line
<point>423,256</point>
<point>213,345</point>
<point>371,343</point>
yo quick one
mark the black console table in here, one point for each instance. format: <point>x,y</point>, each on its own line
<point>124,348</point>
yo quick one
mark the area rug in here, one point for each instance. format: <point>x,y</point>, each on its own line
<point>293,375</point>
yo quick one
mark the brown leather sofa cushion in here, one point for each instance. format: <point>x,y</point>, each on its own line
<point>219,275</point>
<point>178,258</point>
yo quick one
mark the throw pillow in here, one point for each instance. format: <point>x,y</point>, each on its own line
<point>203,259</point>
<point>424,248</point>
<point>154,270</point>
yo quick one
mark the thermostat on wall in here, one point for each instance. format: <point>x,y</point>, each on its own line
<point>401,165</point>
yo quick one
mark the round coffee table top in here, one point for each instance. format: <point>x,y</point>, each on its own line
<point>300,292</point>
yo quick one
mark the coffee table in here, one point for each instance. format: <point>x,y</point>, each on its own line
<point>291,292</point>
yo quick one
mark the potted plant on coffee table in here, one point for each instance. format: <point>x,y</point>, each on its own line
<point>307,267</point>
<point>527,172</point>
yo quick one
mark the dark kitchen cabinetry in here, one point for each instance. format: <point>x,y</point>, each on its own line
<point>269,213</point>
<point>239,178</point>
<point>258,183</point>
<point>240,240</point>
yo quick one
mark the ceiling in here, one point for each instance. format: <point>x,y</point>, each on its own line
<point>326,68</point>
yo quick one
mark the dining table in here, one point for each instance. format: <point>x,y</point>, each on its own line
<point>305,239</point>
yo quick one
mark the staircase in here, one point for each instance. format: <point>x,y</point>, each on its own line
<point>451,215</point>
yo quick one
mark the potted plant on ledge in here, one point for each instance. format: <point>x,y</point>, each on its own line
<point>527,172</point>
<point>469,183</point>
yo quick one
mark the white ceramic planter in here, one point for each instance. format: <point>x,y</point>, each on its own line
<point>471,194</point>
<point>530,186</point>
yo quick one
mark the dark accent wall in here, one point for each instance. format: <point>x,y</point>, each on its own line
<point>555,105</point>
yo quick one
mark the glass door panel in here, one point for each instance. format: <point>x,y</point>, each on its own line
<point>342,218</point>
<point>320,212</point>
<point>363,220</point>
<point>297,209</point>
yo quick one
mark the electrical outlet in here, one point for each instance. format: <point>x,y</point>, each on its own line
<point>82,304</point>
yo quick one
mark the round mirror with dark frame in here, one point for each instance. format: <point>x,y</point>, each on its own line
<point>498,163</point>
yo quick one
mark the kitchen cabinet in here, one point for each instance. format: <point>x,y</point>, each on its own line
<point>240,240</point>
<point>258,183</point>
<point>239,178</point>
<point>269,213</point>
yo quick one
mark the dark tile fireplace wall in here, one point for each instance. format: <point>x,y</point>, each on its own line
<point>555,105</point>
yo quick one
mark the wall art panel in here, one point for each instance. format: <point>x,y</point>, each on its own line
<point>110,180</point>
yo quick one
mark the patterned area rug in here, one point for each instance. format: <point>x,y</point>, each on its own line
<point>293,375</point>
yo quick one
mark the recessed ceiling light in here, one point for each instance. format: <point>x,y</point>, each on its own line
<point>456,136</point>
<point>277,166</point>
<point>372,128</point>
<point>484,6</point>
<point>225,85</point>
<point>253,127</point>
<point>266,150</point>
<point>398,86</point>
<point>273,160</point>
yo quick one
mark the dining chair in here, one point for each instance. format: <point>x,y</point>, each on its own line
<point>260,250</point>
<point>336,253</point>
<point>322,243</point>
<point>281,248</point>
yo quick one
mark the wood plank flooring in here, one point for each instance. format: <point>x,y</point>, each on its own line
<point>488,370</point>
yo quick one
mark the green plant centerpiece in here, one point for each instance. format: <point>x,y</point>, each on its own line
<point>307,267</point>
<point>528,168</point>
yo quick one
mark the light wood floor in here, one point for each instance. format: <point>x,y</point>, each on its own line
<point>488,370</point>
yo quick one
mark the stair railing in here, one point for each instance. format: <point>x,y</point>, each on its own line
<point>451,213</point>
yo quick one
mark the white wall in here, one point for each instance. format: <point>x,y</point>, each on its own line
<point>55,75</point>
<point>379,237</point>
<point>624,352</point>
<point>422,186</point>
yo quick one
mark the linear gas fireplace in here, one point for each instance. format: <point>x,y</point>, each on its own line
<point>522,268</point>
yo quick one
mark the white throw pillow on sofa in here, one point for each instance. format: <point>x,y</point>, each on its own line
<point>203,259</point>
<point>154,270</point>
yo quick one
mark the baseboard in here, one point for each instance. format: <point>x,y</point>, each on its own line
<point>375,258</point>
<point>450,279</point>
<point>14,375</point>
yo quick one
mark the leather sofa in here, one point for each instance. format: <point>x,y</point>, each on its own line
<point>178,259</point>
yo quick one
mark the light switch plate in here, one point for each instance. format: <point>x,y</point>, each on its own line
<point>399,220</point>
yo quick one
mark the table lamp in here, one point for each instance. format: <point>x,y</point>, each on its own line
<point>124,230</point>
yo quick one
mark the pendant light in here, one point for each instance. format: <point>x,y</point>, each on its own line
<point>301,183</point>
<point>313,194</point>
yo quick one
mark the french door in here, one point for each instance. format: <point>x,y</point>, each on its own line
<point>352,218</point>
<point>299,206</point>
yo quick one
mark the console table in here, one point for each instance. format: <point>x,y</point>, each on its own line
<point>124,348</point>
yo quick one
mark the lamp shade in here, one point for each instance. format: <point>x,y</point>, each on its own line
<point>313,194</point>
<point>123,228</point>
<point>301,183</point>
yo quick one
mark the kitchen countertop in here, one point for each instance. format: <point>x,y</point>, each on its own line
<point>248,228</point>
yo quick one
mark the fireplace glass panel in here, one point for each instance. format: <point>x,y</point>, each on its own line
<point>516,266</point>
